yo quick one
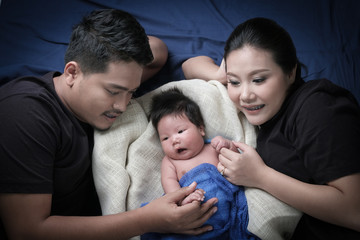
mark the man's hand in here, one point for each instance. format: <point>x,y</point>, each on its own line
<point>164,215</point>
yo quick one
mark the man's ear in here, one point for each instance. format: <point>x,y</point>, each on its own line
<point>71,72</point>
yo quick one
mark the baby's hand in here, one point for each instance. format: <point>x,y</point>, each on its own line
<point>197,195</point>
<point>219,142</point>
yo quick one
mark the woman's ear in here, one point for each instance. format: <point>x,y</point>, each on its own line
<point>292,75</point>
<point>71,72</point>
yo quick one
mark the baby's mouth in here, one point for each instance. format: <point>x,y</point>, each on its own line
<point>180,150</point>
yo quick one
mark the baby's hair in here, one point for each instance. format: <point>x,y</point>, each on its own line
<point>173,101</point>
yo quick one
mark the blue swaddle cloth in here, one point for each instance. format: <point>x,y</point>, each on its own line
<point>231,219</point>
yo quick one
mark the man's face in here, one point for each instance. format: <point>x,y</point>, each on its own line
<point>99,98</point>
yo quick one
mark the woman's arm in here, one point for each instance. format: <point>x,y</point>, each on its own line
<point>338,202</point>
<point>203,67</point>
<point>160,53</point>
<point>27,216</point>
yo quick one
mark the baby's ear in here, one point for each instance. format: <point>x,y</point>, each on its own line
<point>202,130</point>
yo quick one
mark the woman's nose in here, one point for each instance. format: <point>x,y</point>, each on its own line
<point>246,94</point>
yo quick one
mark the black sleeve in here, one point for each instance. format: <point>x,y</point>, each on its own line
<point>328,130</point>
<point>28,145</point>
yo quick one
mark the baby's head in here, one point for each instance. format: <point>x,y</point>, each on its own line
<point>174,102</point>
<point>179,123</point>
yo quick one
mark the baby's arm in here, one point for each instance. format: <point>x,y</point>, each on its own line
<point>170,183</point>
<point>198,195</point>
<point>169,179</point>
<point>219,142</point>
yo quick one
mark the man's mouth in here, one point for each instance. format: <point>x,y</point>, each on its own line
<point>112,114</point>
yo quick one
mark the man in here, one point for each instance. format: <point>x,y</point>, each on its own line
<point>46,132</point>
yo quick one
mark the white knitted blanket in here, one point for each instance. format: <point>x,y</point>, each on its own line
<point>127,158</point>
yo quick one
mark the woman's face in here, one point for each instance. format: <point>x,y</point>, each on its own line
<point>256,84</point>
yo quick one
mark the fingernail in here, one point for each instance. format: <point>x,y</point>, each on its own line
<point>214,210</point>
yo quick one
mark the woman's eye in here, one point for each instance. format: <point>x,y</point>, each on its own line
<point>258,80</point>
<point>233,82</point>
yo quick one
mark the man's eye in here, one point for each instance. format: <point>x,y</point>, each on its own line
<point>111,92</point>
<point>132,92</point>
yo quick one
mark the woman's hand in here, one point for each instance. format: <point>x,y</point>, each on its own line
<point>244,168</point>
<point>166,216</point>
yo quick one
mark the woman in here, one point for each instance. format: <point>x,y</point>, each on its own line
<point>308,133</point>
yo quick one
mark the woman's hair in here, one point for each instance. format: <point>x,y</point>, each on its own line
<point>266,34</point>
<point>173,101</point>
<point>106,36</point>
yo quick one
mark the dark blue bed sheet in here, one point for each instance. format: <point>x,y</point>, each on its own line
<point>34,34</point>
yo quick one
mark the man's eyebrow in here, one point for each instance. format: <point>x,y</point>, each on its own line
<point>122,87</point>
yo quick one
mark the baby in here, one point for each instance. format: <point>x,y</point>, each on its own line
<point>181,130</point>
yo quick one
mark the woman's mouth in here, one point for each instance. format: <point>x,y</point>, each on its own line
<point>253,108</point>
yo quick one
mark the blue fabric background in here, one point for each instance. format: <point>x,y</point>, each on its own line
<point>34,34</point>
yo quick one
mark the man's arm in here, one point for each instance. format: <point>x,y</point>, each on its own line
<point>27,216</point>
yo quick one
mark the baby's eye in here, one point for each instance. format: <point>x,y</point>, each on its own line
<point>165,138</point>
<point>181,131</point>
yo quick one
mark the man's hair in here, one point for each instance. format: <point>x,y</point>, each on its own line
<point>173,101</point>
<point>106,36</point>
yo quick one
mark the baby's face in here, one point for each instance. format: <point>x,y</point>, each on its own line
<point>180,138</point>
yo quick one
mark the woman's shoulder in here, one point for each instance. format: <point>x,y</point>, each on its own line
<point>319,89</point>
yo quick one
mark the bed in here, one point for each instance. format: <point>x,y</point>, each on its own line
<point>34,37</point>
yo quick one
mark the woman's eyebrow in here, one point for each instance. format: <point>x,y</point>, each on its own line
<point>250,73</point>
